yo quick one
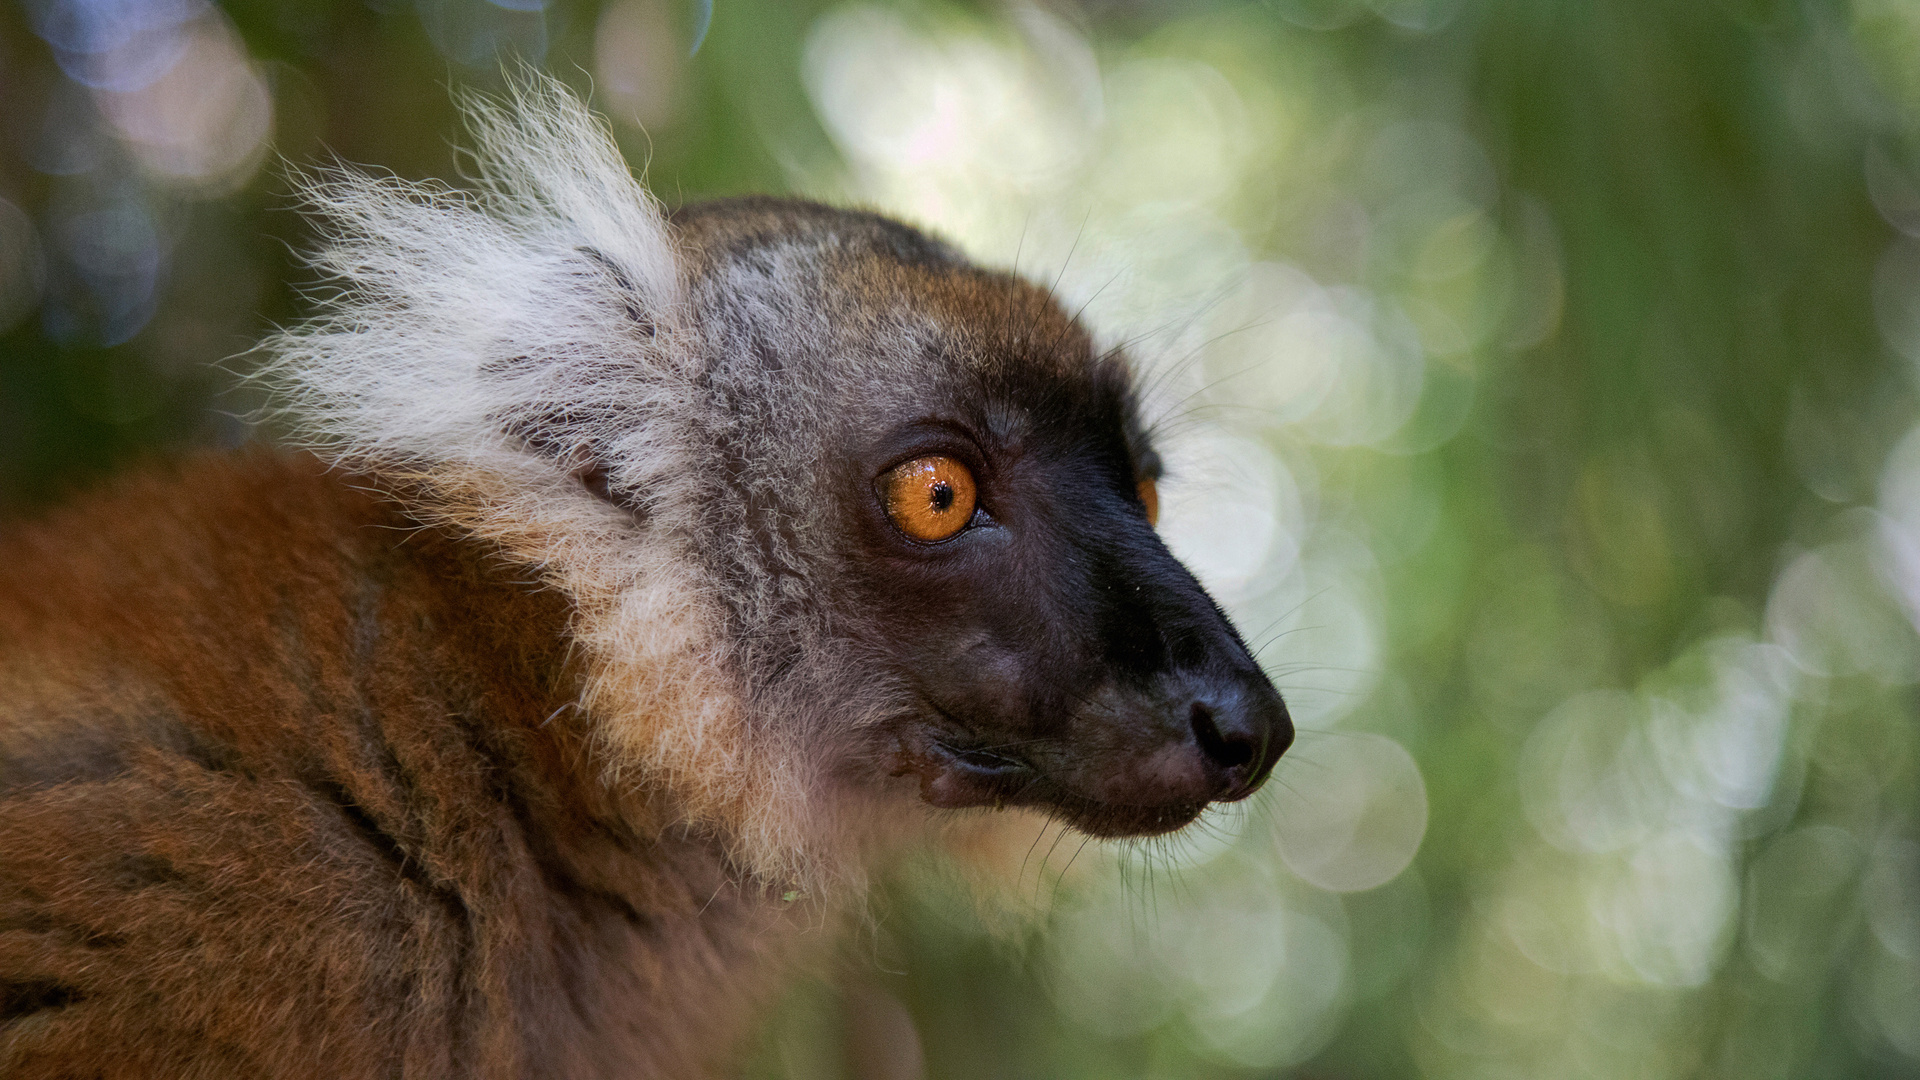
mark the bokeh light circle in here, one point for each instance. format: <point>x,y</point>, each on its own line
<point>1352,810</point>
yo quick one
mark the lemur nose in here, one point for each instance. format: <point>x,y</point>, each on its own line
<point>1241,741</point>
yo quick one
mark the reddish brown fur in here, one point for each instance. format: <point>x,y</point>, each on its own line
<point>289,788</point>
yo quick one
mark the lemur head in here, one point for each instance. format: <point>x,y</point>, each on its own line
<point>940,481</point>
<point>850,524</point>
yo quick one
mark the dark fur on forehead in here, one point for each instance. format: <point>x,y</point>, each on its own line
<point>741,228</point>
<point>782,278</point>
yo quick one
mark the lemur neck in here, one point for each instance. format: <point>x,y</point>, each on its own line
<point>272,666</point>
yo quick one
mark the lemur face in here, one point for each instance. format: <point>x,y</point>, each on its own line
<point>978,504</point>
<point>1060,656</point>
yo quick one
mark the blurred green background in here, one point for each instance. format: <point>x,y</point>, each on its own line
<point>1537,379</point>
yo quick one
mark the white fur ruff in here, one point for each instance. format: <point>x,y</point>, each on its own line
<point>553,296</point>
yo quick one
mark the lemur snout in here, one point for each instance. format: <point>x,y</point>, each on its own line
<point>1229,743</point>
<point>1240,742</point>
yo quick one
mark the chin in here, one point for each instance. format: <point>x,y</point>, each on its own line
<point>1115,821</point>
<point>954,779</point>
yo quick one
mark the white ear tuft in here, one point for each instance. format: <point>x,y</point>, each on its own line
<point>463,327</point>
<point>546,159</point>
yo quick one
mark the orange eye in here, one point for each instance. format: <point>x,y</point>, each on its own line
<point>929,498</point>
<point>1150,497</point>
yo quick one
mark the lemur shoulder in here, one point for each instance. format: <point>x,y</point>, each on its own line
<point>640,573</point>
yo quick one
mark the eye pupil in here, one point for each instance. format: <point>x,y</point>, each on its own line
<point>942,497</point>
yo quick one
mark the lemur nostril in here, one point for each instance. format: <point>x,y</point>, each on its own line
<point>1227,751</point>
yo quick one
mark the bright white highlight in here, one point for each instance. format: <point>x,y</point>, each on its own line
<point>1352,811</point>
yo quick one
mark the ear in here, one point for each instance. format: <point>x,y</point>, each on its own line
<point>583,435</point>
<point>541,318</point>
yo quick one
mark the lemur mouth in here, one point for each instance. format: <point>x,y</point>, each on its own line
<point>955,775</point>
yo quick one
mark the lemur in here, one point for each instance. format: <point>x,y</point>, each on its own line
<point>634,581</point>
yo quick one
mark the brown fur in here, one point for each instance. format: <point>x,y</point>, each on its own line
<point>290,786</point>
